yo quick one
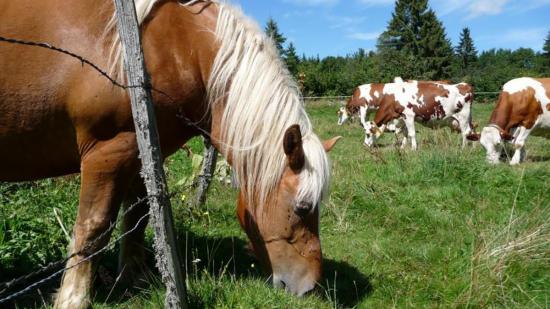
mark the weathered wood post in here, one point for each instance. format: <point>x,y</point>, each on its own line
<point>151,158</point>
<point>207,172</point>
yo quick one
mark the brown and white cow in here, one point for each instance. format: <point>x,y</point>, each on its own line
<point>365,97</point>
<point>426,102</point>
<point>523,108</point>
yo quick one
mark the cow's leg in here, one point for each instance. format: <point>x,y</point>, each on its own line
<point>519,145</point>
<point>405,134</point>
<point>464,119</point>
<point>363,115</point>
<point>105,171</point>
<point>411,132</point>
<point>131,263</point>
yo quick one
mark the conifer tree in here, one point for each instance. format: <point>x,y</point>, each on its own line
<point>546,54</point>
<point>546,47</point>
<point>272,30</point>
<point>466,51</point>
<point>291,59</point>
<point>415,36</point>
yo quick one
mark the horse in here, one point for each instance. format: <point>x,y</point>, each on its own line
<point>216,72</point>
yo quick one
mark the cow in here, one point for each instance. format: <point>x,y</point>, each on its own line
<point>426,102</point>
<point>365,97</point>
<point>523,108</point>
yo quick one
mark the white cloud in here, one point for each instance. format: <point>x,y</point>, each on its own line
<point>528,37</point>
<point>528,5</point>
<point>312,2</point>
<point>344,22</point>
<point>297,13</point>
<point>364,36</point>
<point>477,8</point>
<point>486,7</point>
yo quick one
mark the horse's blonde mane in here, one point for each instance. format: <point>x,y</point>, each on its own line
<point>261,101</point>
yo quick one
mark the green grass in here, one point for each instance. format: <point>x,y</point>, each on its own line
<point>434,228</point>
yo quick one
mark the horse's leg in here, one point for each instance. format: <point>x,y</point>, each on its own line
<point>131,262</point>
<point>105,171</point>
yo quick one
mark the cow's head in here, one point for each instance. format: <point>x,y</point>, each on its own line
<point>372,132</point>
<point>343,115</point>
<point>491,140</point>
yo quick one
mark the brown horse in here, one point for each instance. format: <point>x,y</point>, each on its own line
<point>219,72</point>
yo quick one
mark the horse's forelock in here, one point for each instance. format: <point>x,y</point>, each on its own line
<point>261,101</point>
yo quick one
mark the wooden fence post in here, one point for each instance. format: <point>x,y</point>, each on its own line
<point>207,173</point>
<point>151,158</point>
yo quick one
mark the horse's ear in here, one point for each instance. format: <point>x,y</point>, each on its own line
<point>292,144</point>
<point>329,144</point>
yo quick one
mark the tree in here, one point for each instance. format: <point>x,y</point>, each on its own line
<point>546,47</point>
<point>272,30</point>
<point>291,59</point>
<point>416,38</point>
<point>546,54</point>
<point>466,51</point>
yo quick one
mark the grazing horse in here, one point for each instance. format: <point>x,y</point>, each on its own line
<point>426,102</point>
<point>523,108</point>
<point>218,73</point>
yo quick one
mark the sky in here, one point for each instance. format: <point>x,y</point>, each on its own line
<point>341,27</point>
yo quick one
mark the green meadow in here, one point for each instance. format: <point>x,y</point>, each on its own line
<point>434,228</point>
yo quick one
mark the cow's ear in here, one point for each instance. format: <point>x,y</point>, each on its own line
<point>474,137</point>
<point>506,136</point>
<point>292,145</point>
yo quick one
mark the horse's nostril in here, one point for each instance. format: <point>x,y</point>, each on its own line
<point>303,208</point>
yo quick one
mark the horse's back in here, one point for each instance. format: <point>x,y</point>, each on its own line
<point>38,137</point>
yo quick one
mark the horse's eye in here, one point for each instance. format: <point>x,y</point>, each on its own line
<point>303,208</point>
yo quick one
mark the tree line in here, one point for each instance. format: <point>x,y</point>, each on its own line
<point>414,46</point>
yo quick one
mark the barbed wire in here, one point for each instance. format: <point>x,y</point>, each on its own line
<point>61,271</point>
<point>51,266</point>
<point>348,96</point>
<point>14,282</point>
<point>146,85</point>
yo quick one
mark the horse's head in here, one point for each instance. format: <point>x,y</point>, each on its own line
<point>284,231</point>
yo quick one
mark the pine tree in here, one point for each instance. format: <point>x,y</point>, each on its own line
<point>291,59</point>
<point>546,54</point>
<point>416,37</point>
<point>546,47</point>
<point>466,51</point>
<point>272,30</point>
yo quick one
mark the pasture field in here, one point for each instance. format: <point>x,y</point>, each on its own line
<point>433,228</point>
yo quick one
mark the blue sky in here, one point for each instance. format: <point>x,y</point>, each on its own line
<point>340,27</point>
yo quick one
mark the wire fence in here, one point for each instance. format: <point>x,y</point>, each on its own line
<point>481,97</point>
<point>55,269</point>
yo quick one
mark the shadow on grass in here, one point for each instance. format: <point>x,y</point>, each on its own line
<point>539,158</point>
<point>342,283</point>
<point>230,256</point>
